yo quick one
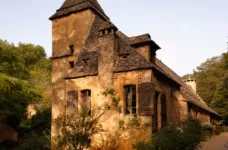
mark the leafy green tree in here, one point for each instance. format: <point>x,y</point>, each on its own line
<point>212,83</point>
<point>25,78</point>
<point>30,53</point>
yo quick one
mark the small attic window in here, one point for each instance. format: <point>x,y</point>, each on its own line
<point>124,55</point>
<point>103,32</point>
<point>86,61</point>
<point>71,49</point>
<point>109,30</point>
<point>71,63</point>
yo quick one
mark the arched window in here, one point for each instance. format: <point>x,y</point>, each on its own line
<point>72,102</point>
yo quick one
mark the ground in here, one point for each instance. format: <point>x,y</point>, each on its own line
<point>219,142</point>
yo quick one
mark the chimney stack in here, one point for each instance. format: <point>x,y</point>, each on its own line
<point>191,82</point>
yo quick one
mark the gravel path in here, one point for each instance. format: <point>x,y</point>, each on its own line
<point>219,142</point>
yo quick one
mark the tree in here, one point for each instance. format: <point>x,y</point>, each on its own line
<point>25,78</point>
<point>212,83</point>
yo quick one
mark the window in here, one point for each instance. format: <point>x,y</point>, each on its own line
<point>86,99</point>
<point>130,99</point>
<point>71,49</point>
<point>71,63</point>
<point>163,110</point>
<point>72,102</point>
<point>155,116</point>
<point>189,109</point>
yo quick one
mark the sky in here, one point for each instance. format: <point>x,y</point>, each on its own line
<point>188,31</point>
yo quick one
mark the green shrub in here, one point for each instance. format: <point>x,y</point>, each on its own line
<point>78,129</point>
<point>33,143</point>
<point>41,121</point>
<point>207,128</point>
<point>174,138</point>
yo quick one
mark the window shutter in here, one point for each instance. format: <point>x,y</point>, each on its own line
<point>72,102</point>
<point>145,101</point>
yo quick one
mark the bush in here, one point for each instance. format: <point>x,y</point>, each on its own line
<point>41,121</point>
<point>174,138</point>
<point>207,128</point>
<point>34,143</point>
<point>78,129</point>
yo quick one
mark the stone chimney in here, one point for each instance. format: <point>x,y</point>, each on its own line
<point>106,57</point>
<point>191,82</point>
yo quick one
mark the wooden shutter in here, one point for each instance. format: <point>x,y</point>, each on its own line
<point>145,101</point>
<point>72,102</point>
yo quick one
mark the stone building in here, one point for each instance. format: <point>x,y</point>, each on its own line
<point>91,55</point>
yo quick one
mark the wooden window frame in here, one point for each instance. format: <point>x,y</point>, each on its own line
<point>72,99</point>
<point>87,98</point>
<point>128,110</point>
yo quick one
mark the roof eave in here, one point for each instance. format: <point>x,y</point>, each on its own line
<point>82,76</point>
<point>147,42</point>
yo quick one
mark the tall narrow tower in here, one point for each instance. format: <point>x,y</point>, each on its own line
<point>71,29</point>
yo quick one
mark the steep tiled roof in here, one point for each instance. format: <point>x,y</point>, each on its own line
<point>129,59</point>
<point>72,6</point>
<point>108,25</point>
<point>138,40</point>
<point>86,65</point>
<point>190,95</point>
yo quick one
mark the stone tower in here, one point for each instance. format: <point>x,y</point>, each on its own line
<point>71,29</point>
<point>90,55</point>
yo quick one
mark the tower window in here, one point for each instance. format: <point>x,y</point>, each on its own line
<point>86,99</point>
<point>130,99</point>
<point>71,63</point>
<point>71,49</point>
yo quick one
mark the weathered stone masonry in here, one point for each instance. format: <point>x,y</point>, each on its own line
<point>91,55</point>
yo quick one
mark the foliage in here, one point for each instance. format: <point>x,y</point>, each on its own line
<point>41,121</point>
<point>25,78</point>
<point>207,128</point>
<point>15,95</point>
<point>174,138</point>
<point>212,83</point>
<point>78,129</point>
<point>34,133</point>
<point>33,142</point>
<point>225,120</point>
<point>111,93</point>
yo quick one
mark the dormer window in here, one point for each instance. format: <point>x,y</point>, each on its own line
<point>71,49</point>
<point>71,63</point>
<point>109,30</point>
<point>124,55</point>
<point>86,61</point>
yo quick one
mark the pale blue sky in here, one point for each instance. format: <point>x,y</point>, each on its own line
<point>188,31</point>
